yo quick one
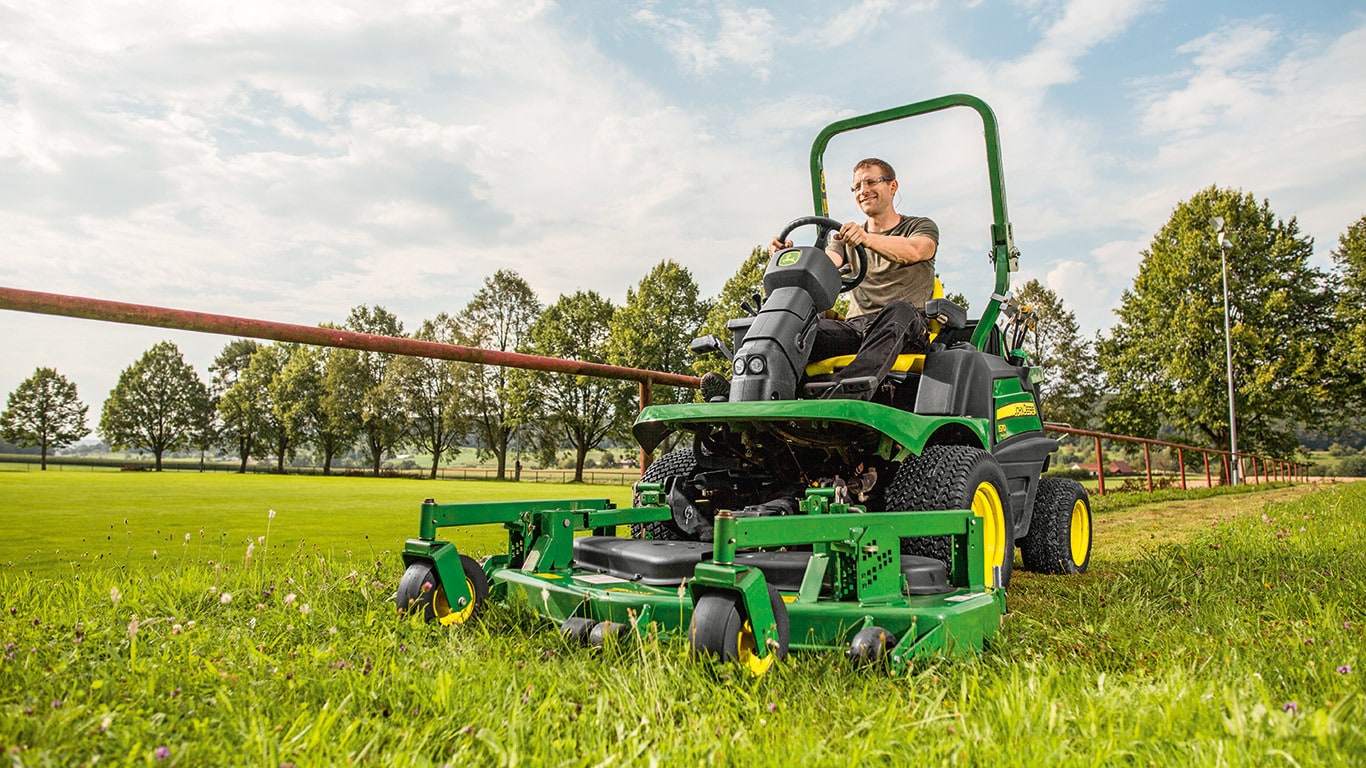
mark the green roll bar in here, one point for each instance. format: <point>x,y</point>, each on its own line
<point>1004,256</point>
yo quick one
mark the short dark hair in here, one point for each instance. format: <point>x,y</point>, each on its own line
<point>873,162</point>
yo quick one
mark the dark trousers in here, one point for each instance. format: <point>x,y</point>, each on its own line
<point>874,339</point>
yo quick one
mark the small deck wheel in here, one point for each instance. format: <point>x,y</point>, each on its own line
<point>721,628</point>
<point>576,629</point>
<point>869,646</point>
<point>603,630</point>
<point>421,590</point>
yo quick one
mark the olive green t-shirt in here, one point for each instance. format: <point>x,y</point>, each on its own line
<point>885,280</point>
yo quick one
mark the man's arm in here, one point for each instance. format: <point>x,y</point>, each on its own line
<point>902,250</point>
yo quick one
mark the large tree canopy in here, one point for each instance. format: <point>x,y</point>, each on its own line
<point>240,414</point>
<point>1350,318</point>
<point>652,330</point>
<point>1164,359</point>
<point>582,410</point>
<point>157,404</point>
<point>44,411</point>
<point>498,317</point>
<point>428,393</point>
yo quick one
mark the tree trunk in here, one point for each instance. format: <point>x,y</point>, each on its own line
<point>158,453</point>
<point>581,453</point>
<point>327,461</point>
<point>436,459</point>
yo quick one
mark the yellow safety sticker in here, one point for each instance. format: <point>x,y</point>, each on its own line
<point>1016,409</point>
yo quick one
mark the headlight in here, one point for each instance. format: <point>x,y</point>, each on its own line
<point>756,365</point>
<point>739,365</point>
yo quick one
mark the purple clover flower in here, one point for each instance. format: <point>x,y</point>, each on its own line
<point>1291,707</point>
<point>162,753</point>
<point>1344,669</point>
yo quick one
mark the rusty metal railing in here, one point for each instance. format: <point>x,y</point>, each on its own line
<point>1264,468</point>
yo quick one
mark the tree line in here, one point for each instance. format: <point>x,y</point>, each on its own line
<point>1298,336</point>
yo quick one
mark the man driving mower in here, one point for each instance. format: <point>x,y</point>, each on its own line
<point>886,311</point>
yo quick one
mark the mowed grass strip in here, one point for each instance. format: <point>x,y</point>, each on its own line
<point>1241,644</point>
<point>57,522</point>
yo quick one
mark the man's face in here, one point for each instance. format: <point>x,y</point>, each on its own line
<point>872,192</point>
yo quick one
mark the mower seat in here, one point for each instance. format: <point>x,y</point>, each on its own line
<point>942,314</point>
<point>669,563</point>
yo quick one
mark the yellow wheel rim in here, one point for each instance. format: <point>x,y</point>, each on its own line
<point>1080,533</point>
<point>448,616</point>
<point>986,504</point>
<point>747,652</point>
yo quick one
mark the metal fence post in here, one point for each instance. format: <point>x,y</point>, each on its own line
<point>1148,466</point>
<point>1100,468</point>
<point>1181,462</point>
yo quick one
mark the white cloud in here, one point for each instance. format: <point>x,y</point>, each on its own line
<point>741,37</point>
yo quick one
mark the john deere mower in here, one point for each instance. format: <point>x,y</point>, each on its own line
<point>885,528</point>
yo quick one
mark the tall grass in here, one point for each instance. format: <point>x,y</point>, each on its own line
<point>1241,645</point>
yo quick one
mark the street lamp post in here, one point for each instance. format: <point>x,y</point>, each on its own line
<point>1226,242</point>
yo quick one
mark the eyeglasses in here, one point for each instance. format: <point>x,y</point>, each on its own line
<point>869,182</point>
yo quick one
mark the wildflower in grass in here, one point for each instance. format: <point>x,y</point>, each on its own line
<point>176,629</point>
<point>1291,707</point>
<point>133,627</point>
<point>290,598</point>
<point>1344,669</point>
<point>187,538</point>
<point>162,753</point>
<point>114,595</point>
<point>251,547</point>
<point>304,609</point>
<point>105,723</point>
<point>427,586</point>
<point>225,598</point>
<point>271,515</point>
<point>154,554</point>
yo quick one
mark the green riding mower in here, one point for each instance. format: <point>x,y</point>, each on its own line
<point>885,528</point>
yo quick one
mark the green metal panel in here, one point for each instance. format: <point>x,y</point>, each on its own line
<point>910,431</point>
<point>436,516</point>
<point>1003,251</point>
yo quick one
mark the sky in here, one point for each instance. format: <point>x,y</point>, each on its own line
<point>288,161</point>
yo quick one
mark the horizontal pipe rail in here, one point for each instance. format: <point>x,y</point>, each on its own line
<point>203,322</point>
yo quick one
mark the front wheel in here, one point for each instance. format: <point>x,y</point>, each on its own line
<point>958,477</point>
<point>721,628</point>
<point>421,590</point>
<point>1059,538</point>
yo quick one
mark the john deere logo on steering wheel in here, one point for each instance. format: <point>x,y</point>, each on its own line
<point>789,258</point>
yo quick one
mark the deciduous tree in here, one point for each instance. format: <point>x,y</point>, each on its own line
<point>240,416</point>
<point>1071,390</point>
<point>156,404</point>
<point>360,378</point>
<point>1349,321</point>
<point>1164,360</point>
<point>653,329</point>
<point>428,392</point>
<point>44,411</point>
<point>498,317</point>
<point>580,410</point>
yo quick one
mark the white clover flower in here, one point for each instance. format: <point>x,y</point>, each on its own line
<point>225,598</point>
<point>305,610</point>
<point>115,595</point>
<point>271,515</point>
<point>290,598</point>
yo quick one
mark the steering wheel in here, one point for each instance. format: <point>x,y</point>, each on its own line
<point>854,274</point>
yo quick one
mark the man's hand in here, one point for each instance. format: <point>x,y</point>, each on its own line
<point>776,245</point>
<point>852,233</point>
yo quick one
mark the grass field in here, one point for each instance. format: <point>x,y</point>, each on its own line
<point>1225,630</point>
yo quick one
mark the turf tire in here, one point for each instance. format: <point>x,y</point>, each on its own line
<point>1062,510</point>
<point>679,463</point>
<point>948,477</point>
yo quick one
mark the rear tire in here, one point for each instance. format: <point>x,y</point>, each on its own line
<point>1060,532</point>
<point>679,463</point>
<point>958,477</point>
